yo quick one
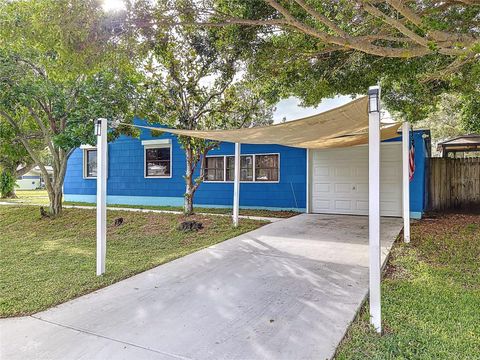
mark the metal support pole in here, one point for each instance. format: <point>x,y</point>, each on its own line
<point>101,132</point>
<point>236,186</point>
<point>374,206</point>
<point>406,180</point>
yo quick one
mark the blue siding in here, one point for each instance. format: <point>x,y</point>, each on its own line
<point>418,185</point>
<point>127,184</point>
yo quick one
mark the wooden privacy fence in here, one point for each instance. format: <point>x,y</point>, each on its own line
<point>454,184</point>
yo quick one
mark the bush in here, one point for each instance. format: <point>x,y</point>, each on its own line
<point>7,184</point>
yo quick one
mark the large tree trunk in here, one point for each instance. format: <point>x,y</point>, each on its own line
<point>56,197</point>
<point>55,186</point>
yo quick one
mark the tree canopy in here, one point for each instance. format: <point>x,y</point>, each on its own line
<point>193,81</point>
<point>314,49</point>
<point>60,68</point>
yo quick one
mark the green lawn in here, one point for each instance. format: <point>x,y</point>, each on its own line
<point>40,197</point>
<point>29,197</point>
<point>430,297</point>
<point>200,210</point>
<point>49,261</point>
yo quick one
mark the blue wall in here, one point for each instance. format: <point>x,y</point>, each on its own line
<point>418,185</point>
<point>127,184</point>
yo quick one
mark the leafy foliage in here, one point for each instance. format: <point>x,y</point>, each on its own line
<point>194,81</point>
<point>7,183</point>
<point>61,66</point>
<point>315,49</point>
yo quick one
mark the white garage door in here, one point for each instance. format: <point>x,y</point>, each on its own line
<point>339,183</point>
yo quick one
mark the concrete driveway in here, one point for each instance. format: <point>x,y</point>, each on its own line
<point>286,291</point>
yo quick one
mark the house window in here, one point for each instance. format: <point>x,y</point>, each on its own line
<point>158,161</point>
<point>90,163</point>
<point>253,168</point>
<point>266,167</point>
<point>246,168</point>
<point>215,168</point>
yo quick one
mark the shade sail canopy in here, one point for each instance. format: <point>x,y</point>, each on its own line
<point>343,126</point>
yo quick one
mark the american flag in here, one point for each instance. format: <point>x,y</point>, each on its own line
<point>411,160</point>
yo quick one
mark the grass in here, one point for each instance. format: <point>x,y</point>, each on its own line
<point>201,210</point>
<point>430,297</point>
<point>37,197</point>
<point>45,262</point>
<point>40,197</point>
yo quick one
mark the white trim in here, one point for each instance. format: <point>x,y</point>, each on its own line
<point>236,185</point>
<point>374,217</point>
<point>308,181</point>
<point>153,146</point>
<point>406,180</point>
<point>87,146</point>
<point>102,146</point>
<point>253,170</point>
<point>157,142</point>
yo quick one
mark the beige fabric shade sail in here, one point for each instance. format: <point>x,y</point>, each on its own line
<point>343,126</point>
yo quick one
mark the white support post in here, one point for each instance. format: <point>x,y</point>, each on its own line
<point>101,132</point>
<point>308,190</point>
<point>406,180</point>
<point>374,206</point>
<point>236,186</point>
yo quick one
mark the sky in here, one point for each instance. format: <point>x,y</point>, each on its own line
<point>290,108</point>
<point>112,5</point>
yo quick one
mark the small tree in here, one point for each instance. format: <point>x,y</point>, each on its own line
<point>193,83</point>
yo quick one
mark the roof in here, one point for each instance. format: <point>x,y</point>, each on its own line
<point>461,143</point>
<point>346,125</point>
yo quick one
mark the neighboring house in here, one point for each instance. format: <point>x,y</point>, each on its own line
<point>150,170</point>
<point>460,146</point>
<point>33,179</point>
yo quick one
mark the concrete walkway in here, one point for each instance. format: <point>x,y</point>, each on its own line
<point>285,291</point>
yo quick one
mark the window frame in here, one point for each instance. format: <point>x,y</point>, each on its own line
<point>85,150</point>
<point>255,170</point>
<point>156,146</point>
<point>224,168</point>
<point>253,181</point>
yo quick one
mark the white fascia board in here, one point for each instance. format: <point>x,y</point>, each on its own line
<point>157,142</point>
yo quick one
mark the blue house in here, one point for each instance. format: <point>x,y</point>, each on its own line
<point>149,171</point>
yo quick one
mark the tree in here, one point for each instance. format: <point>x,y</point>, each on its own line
<point>313,49</point>
<point>446,121</point>
<point>60,68</point>
<point>14,159</point>
<point>194,83</point>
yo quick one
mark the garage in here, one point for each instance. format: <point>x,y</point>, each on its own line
<point>339,180</point>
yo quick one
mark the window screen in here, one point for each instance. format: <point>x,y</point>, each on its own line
<point>157,162</point>
<point>90,163</point>
<point>214,168</point>
<point>266,167</point>
<point>246,168</point>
